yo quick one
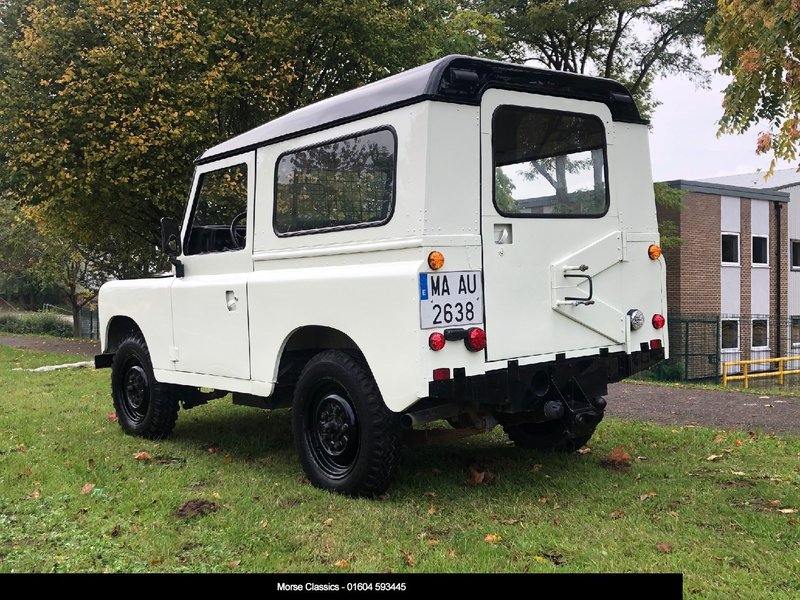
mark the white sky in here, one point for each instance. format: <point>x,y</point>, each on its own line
<point>683,139</point>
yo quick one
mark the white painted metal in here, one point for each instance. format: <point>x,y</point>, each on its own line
<point>525,288</point>
<point>730,214</point>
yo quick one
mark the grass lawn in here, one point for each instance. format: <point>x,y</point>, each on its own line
<point>730,524</point>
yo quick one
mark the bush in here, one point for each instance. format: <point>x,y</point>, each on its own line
<point>36,323</point>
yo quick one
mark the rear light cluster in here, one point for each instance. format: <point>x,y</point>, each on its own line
<point>658,321</point>
<point>474,338</point>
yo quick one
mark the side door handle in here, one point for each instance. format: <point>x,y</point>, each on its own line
<point>230,300</point>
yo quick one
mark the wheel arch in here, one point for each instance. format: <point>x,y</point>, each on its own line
<point>304,343</point>
<point>119,328</point>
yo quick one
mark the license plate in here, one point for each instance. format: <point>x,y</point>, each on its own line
<point>450,299</point>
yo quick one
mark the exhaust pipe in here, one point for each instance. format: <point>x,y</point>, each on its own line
<point>419,417</point>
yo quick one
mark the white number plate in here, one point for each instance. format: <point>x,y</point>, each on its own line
<point>450,299</point>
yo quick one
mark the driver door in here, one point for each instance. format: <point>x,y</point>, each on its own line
<point>209,304</point>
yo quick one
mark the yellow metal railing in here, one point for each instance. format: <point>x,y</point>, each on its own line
<point>746,376</point>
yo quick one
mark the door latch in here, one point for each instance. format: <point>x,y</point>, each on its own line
<point>230,300</point>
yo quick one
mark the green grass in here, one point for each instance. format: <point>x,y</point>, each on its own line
<point>721,518</point>
<point>759,387</point>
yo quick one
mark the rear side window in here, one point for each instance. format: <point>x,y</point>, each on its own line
<point>342,184</point>
<point>548,164</point>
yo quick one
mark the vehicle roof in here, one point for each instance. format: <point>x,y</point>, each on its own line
<point>454,78</point>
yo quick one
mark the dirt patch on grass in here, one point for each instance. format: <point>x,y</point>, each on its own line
<point>195,508</point>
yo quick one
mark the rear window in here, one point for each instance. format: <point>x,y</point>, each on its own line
<point>342,184</point>
<point>548,164</point>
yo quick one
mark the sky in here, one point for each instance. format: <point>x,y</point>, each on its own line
<point>683,138</point>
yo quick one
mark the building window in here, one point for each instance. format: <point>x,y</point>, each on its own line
<point>795,332</point>
<point>730,248</point>
<point>341,184</point>
<point>760,252</point>
<point>760,333</point>
<point>796,255</point>
<point>730,334</point>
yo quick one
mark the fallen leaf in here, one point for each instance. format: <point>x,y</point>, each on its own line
<point>432,542</point>
<point>540,559</point>
<point>432,510</point>
<point>617,514</point>
<point>142,456</point>
<point>216,495</point>
<point>90,464</point>
<point>720,438</point>
<point>665,548</point>
<point>714,457</point>
<point>212,449</point>
<point>774,502</point>
<point>112,417</point>
<point>430,494</point>
<point>543,500</point>
<point>264,524</point>
<point>36,494</point>
<point>234,563</point>
<point>641,458</point>
<point>738,443</point>
<point>647,496</point>
<point>739,473</point>
<point>228,459</point>
<point>87,488</point>
<point>554,558</point>
<point>328,522</point>
<point>410,560</point>
<point>619,456</point>
<point>787,511</point>
<point>584,450</point>
<point>478,476</point>
<point>556,523</point>
<point>510,521</point>
<point>492,538</point>
<point>536,468</point>
<point>451,553</point>
<point>556,506</point>
<point>342,564</point>
<point>115,532</point>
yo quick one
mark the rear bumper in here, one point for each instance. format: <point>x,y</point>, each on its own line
<point>103,361</point>
<point>518,388</point>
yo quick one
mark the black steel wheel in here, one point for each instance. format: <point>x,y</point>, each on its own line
<point>560,435</point>
<point>346,438</point>
<point>144,407</point>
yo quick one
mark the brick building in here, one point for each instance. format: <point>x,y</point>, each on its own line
<point>728,285</point>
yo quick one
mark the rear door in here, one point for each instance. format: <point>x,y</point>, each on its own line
<point>552,241</point>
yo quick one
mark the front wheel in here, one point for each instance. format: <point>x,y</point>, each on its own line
<point>144,407</point>
<point>346,438</point>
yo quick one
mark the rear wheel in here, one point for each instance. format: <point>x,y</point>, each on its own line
<point>556,436</point>
<point>144,407</point>
<point>346,438</point>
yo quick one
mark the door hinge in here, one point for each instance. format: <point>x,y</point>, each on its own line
<point>174,354</point>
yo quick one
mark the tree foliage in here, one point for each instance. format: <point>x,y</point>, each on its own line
<point>632,41</point>
<point>759,45</point>
<point>104,104</point>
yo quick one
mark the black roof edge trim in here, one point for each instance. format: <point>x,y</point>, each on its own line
<point>719,189</point>
<point>453,79</point>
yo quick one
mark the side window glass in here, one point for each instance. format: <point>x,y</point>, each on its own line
<point>342,184</point>
<point>219,221</point>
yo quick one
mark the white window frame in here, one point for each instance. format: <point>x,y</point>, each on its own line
<point>738,250</point>
<point>752,321</point>
<point>752,252</point>
<point>794,344</point>
<point>738,336</point>
<point>792,266</point>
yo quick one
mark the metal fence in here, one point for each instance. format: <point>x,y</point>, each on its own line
<point>699,344</point>
<point>89,324</point>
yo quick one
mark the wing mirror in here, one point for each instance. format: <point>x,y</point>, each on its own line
<point>171,243</point>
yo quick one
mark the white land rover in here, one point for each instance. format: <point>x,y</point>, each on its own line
<point>469,240</point>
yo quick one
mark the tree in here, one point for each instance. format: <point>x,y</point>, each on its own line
<point>104,104</point>
<point>759,46</point>
<point>632,41</point>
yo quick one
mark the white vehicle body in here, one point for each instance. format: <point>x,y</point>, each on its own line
<point>234,316</point>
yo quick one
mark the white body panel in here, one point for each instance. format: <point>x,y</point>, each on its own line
<point>364,282</point>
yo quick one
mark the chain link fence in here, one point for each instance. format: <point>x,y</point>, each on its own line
<point>699,344</point>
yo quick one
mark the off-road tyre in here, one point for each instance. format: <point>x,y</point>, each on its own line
<point>347,440</point>
<point>552,436</point>
<point>144,407</point>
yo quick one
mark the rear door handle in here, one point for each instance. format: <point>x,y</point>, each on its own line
<point>230,300</point>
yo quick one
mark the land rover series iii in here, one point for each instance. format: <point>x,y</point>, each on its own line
<point>470,241</point>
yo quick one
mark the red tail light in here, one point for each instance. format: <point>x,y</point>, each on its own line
<point>441,374</point>
<point>436,341</point>
<point>658,321</point>
<point>655,345</point>
<point>475,340</point>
